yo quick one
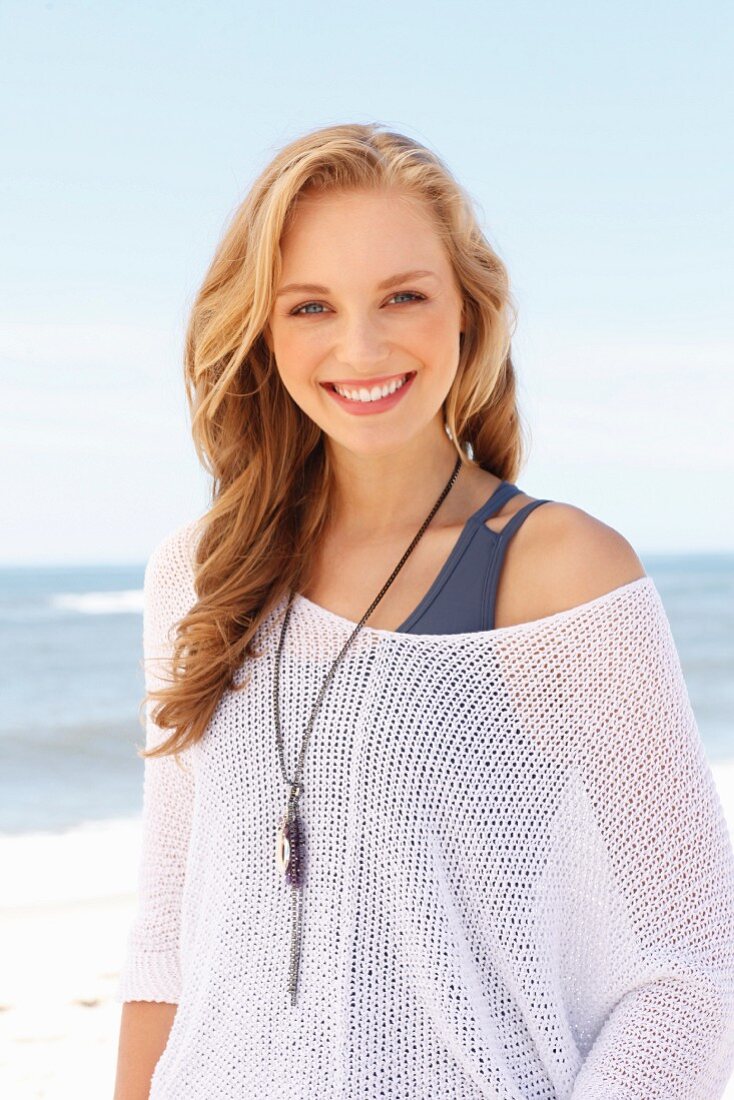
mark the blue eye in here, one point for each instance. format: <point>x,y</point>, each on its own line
<point>408,294</point>
<point>299,310</point>
<point>295,312</point>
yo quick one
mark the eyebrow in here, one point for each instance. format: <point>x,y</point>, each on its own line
<point>393,280</point>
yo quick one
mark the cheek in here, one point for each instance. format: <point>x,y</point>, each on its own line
<point>431,321</point>
<point>435,339</point>
<point>296,352</point>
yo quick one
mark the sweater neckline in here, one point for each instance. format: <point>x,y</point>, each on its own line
<point>622,592</point>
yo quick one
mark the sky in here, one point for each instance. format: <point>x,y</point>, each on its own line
<point>594,139</point>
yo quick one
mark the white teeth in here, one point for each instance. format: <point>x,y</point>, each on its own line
<point>374,394</point>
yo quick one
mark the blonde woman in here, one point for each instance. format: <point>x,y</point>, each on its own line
<point>426,811</point>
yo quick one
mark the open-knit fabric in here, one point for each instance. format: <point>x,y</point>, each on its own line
<point>519,881</point>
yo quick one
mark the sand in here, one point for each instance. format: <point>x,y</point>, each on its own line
<point>68,900</point>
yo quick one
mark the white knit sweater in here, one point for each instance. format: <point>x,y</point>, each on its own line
<point>519,882</point>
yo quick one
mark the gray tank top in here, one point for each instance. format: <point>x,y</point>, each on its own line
<point>462,597</point>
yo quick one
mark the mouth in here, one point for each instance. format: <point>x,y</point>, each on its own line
<point>356,386</point>
<point>377,395</point>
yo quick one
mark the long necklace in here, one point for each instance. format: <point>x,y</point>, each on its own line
<point>290,850</point>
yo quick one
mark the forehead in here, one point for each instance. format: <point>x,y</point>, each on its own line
<point>364,230</point>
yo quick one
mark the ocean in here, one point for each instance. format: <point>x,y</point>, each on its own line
<point>72,682</point>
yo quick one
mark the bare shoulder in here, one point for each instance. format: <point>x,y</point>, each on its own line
<point>560,557</point>
<point>584,557</point>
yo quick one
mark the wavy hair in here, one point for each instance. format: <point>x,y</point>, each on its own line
<point>272,483</point>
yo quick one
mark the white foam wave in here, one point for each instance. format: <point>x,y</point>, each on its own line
<point>124,602</point>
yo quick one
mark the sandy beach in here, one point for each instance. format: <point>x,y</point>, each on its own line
<point>67,902</point>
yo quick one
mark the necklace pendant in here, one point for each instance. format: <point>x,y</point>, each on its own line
<point>282,848</point>
<point>290,849</point>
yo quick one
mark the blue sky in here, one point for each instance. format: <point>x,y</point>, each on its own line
<point>595,139</point>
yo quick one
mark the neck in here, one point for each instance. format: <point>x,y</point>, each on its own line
<point>376,495</point>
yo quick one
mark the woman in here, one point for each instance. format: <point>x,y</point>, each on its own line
<point>426,811</point>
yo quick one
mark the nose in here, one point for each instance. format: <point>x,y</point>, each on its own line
<point>361,346</point>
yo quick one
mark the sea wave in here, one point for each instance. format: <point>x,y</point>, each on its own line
<point>124,602</point>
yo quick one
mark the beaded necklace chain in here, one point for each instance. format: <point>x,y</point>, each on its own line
<point>290,842</point>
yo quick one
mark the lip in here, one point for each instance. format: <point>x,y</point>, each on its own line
<point>357,383</point>
<point>367,408</point>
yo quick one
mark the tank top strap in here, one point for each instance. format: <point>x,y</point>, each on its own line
<point>491,583</point>
<point>519,517</point>
<point>504,491</point>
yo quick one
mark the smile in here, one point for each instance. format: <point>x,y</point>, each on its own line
<point>370,393</point>
<point>377,398</point>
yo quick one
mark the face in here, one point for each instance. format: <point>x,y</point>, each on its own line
<point>375,304</point>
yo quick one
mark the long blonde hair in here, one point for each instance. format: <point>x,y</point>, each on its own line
<point>271,477</point>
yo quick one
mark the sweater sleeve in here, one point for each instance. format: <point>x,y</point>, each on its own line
<point>151,970</point>
<point>666,1010</point>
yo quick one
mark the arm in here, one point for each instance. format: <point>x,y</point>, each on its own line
<point>667,1031</point>
<point>150,980</point>
<point>649,961</point>
<point>144,1031</point>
